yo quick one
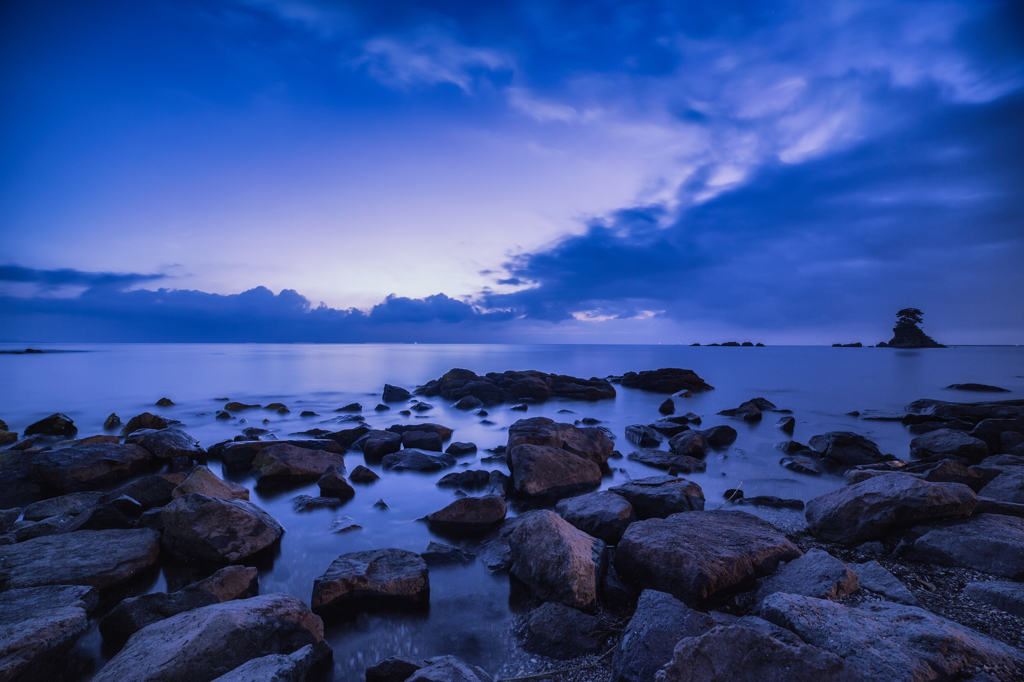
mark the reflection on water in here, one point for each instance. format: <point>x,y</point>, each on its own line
<point>469,609</point>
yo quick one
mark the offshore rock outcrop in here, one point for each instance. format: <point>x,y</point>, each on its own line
<point>511,386</point>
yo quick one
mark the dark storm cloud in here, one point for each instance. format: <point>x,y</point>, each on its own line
<point>67,277</point>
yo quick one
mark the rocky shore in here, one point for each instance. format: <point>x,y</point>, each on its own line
<point>914,570</point>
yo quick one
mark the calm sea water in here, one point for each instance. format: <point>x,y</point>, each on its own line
<point>469,610</point>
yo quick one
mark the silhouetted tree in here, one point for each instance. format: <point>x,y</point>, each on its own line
<point>909,317</point>
<point>906,333</point>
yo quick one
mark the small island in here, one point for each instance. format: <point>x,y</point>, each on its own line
<point>907,333</point>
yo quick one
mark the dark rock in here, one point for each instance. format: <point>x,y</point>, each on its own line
<point>239,407</point>
<point>477,478</point>
<point>65,505</point>
<point>381,408</point>
<point>308,503</point>
<point>8,518</point>
<point>144,421</point>
<point>381,504</point>
<point>720,436</point>
<point>1008,486</point>
<point>846,448</point>
<point>100,517</point>
<point>222,415</point>
<point>603,515</point>
<point>418,460</point>
<point>816,574</point>
<point>660,496</point>
<point>333,484</point>
<point>557,561</point>
<point>377,444</point>
<point>86,467</point>
<point>422,440</point>
<point>394,394</point>
<point>56,424</point>
<point>668,427</point>
<point>438,554</point>
<point>750,410</point>
<point>948,443</point>
<point>111,422</point>
<point>204,643</point>
<point>512,386</point>
<point>351,407</point>
<point>6,437</point>
<point>308,413</point>
<point>1006,596</point>
<point>691,444</point>
<point>346,437</point>
<point>668,380</point>
<point>166,443</point>
<point>286,463</point>
<point>873,577</point>
<point>394,669</point>
<point>155,490</point>
<point>461,449</point>
<point>294,667</point>
<point>667,407</point>
<point>468,402</point>
<point>772,502</point>
<point>421,407</point>
<point>165,402</point>
<point>589,443</point>
<point>787,424</point>
<point>802,465</point>
<point>661,459</point>
<point>990,543</point>
<point>695,554</point>
<point>521,407</point>
<point>878,506</point>
<point>949,471</point>
<point>979,388</point>
<point>203,481</point>
<point>468,515</point>
<point>542,471</point>
<point>643,436</point>
<point>449,669</point>
<point>558,631</point>
<point>27,530</point>
<point>991,431</point>
<point>443,431</point>
<point>377,576</point>
<point>218,530</point>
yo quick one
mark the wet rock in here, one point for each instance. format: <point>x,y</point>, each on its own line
<point>787,424</point>
<point>557,561</point>
<point>948,443</point>
<point>363,475</point>
<point>643,436</point>
<point>873,577</point>
<point>155,490</point>
<point>461,449</point>
<point>871,509</point>
<point>418,460</point>
<point>381,504</point>
<point>204,643</point>
<point>100,559</point>
<point>422,440</point>
<point>56,424</point>
<point>394,394</point>
<point>111,422</point>
<point>990,543</point>
<point>292,667</point>
<point>1006,596</point>
<point>144,421</point>
<point>346,437</point>
<point>65,505</point>
<point>846,448</point>
<point>588,443</point>
<point>667,380</point>
<point>691,444</point>
<point>667,407</point>
<point>449,669</point>
<point>719,436</point>
<point>394,669</point>
<point>333,484</point>
<point>377,444</point>
<point>203,481</point>
<point>6,437</point>
<point>8,517</point>
<point>378,576</point>
<point>660,496</point>
<point>542,471</point>
<point>135,613</point>
<point>603,515</point>
<point>438,554</point>
<point>771,501</point>
<point>38,627</point>
<point>887,641</point>
<point>513,386</point>
<point>477,478</point>
<point>421,407</point>
<point>285,463</point>
<point>668,427</point>
<point>661,459</point>
<point>1006,487</point>
<point>100,517</point>
<point>695,554</point>
<point>558,631</point>
<point>992,430</point>
<point>751,410</point>
<point>444,431</point>
<point>308,503</point>
<point>218,530</point>
<point>99,439</point>
<point>950,471</point>
<point>816,574</point>
<point>979,388</point>
<point>468,402</point>
<point>87,467</point>
<point>235,406</point>
<point>468,515</point>
<point>802,465</point>
<point>166,443</point>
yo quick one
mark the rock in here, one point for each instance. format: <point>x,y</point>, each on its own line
<point>661,459</point>
<point>438,554</point>
<point>144,421</point>
<point>100,559</point>
<point>802,465</point>
<point>691,444</point>
<point>449,669</point>
<point>513,386</point>
<point>543,471</point>
<point>787,424</point>
<point>588,443</point>
<point>558,631</point>
<point>668,380</point>
<point>478,478</point>
<point>100,517</point>
<point>668,427</point>
<point>657,625</point>
<point>873,577</point>
<point>736,653</point>
<point>991,431</point>
<point>381,504</point>
<point>292,667</point>
<point>667,407</point>
<point>660,496</point>
<point>987,505</point>
<point>394,669</point>
<point>203,481</point>
<point>87,467</point>
<point>772,502</point>
<point>204,643</point>
<point>720,436</point>
<point>468,402</point>
<point>871,509</point>
<point>557,561</point>
<point>1006,596</point>
<point>377,444</point>
<point>950,471</point>
<point>8,517</point>
<point>695,554</point>
<point>979,388</point>
<point>603,515</point>
<point>38,627</point>
<point>461,449</point>
<point>222,415</point>
<point>135,613</point>
<point>363,475</point>
<point>643,436</point>
<point>468,515</point>
<point>56,424</point>
<point>285,463</point>
<point>65,505</point>
<point>333,484</point>
<point>846,448</point>
<point>443,431</point>
<point>308,413</point>
<point>418,460</point>
<point>218,530</point>
<point>111,422</point>
<point>1006,487</point>
<point>165,402</point>
<point>948,443</point>
<point>816,574</point>
<point>751,410</point>
<point>307,503</point>
<point>99,439</point>
<point>887,641</point>
<point>167,443</point>
<point>394,394</point>
<point>236,406</point>
<point>7,437</point>
<point>27,530</point>
<point>378,576</point>
<point>346,437</point>
<point>422,440</point>
<point>990,543</point>
<point>151,491</point>
<point>521,407</point>
<point>351,407</point>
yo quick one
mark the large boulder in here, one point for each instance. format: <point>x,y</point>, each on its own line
<point>144,421</point>
<point>292,667</point>
<point>544,471</point>
<point>155,490</point>
<point>38,625</point>
<point>88,467</point>
<point>667,380</point>
<point>377,444</point>
<point>285,463</point>
<point>657,625</point>
<point>135,613</point>
<point>203,481</point>
<point>889,642</point>
<point>603,514</point>
<point>589,443</point>
<point>816,574</point>
<point>468,515</point>
<point>695,554</point>
<point>216,529</point>
<point>167,443</point>
<point>846,448</point>
<point>237,455</point>
<point>661,496</point>
<point>417,460</point>
<point>1007,596</point>
<point>991,543</point>
<point>65,505</point>
<point>377,576</point>
<point>558,631</point>
<point>1008,486</point>
<point>556,560</point>
<point>98,558</point>
<point>948,443</point>
<point>56,424</point>
<point>205,643</point>
<point>662,459</point>
<point>875,507</point>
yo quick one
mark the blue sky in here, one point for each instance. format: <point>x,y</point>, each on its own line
<point>301,170</point>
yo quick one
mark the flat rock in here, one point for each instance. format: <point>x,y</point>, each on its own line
<point>288,463</point>
<point>418,460</point>
<point>468,515</point>
<point>816,574</point>
<point>444,431</point>
<point>695,554</point>
<point>662,459</point>
<point>422,440</point>
<point>948,443</point>
<point>979,388</point>
<point>873,508</point>
<point>1003,595</point>
<point>544,471</point>
<point>88,467</point>
<point>205,643</point>
<point>661,496</point>
<point>991,543</point>
<point>100,559</point>
<point>239,455</point>
<point>65,505</point>
<point>216,529</point>
<point>603,514</point>
<point>802,465</point>
<point>846,448</point>
<point>668,427</point>
<point>872,576</point>
<point>360,579</point>
<point>461,449</point>
<point>1006,487</point>
<point>556,560</point>
<point>438,554</point>
<point>166,443</point>
<point>558,631</point>
<point>643,436</point>
<point>589,443</point>
<point>449,669</point>
<point>203,481</point>
<point>666,380</point>
<point>155,490</point>
<point>292,667</point>
<point>39,625</point>
<point>887,641</point>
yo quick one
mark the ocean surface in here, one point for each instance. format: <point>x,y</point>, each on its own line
<point>470,610</point>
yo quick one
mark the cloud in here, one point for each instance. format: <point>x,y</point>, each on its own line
<point>49,280</point>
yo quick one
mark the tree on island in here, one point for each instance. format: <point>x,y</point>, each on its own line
<point>907,334</point>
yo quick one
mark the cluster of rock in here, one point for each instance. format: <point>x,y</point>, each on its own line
<point>495,388</point>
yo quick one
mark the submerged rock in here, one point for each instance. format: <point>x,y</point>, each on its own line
<point>418,460</point>
<point>662,459</point>
<point>667,380</point>
<point>144,421</point>
<point>378,576</point>
<point>468,515</point>
<point>846,448</point>
<point>56,424</point>
<point>438,554</point>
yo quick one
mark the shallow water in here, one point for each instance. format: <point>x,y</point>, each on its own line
<point>469,609</point>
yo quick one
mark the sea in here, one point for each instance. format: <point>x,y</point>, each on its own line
<point>471,610</point>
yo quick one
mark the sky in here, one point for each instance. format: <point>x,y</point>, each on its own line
<point>598,172</point>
